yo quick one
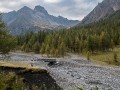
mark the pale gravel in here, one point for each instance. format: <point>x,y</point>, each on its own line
<point>76,71</point>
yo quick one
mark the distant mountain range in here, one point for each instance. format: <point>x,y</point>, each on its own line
<point>27,19</point>
<point>101,11</point>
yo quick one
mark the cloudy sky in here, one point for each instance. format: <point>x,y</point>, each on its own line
<point>71,9</point>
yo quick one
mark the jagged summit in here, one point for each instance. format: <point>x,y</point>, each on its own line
<point>40,9</point>
<point>25,8</point>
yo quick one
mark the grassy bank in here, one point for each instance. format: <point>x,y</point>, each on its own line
<point>11,76</point>
<point>20,79</point>
<point>106,58</point>
<point>14,77</point>
<point>9,81</point>
<point>20,65</point>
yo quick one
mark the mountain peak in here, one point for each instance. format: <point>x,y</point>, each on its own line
<point>40,9</point>
<point>24,9</point>
<point>101,11</point>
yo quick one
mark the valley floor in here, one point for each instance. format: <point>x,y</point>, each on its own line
<point>75,71</point>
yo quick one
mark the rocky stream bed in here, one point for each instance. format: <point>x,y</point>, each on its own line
<point>74,72</point>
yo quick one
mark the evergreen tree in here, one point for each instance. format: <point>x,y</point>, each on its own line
<point>36,47</point>
<point>42,51</point>
<point>62,49</point>
<point>47,50</point>
<point>7,42</point>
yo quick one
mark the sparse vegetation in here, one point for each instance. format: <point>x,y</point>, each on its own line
<point>95,88</point>
<point>9,81</point>
<point>107,58</point>
<point>80,88</point>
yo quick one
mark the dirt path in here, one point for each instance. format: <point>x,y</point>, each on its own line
<point>76,71</point>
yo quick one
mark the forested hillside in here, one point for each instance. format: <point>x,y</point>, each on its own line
<point>100,36</point>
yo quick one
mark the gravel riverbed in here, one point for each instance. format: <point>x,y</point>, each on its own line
<point>75,71</point>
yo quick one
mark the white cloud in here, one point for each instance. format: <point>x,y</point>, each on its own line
<point>52,1</point>
<point>2,9</point>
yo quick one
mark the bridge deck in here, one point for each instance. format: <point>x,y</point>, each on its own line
<point>45,60</point>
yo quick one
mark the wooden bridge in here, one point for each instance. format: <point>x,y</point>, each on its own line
<point>50,61</point>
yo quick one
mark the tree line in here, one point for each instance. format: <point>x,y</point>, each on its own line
<point>101,36</point>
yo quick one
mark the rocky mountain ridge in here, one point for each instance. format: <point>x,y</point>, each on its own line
<point>26,19</point>
<point>101,11</point>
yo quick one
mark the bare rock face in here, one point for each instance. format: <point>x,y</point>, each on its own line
<point>27,19</point>
<point>102,10</point>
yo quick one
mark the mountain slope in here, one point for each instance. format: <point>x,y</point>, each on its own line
<point>102,10</point>
<point>26,19</point>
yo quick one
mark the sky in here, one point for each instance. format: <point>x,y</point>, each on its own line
<point>71,9</point>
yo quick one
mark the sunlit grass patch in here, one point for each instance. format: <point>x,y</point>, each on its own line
<point>106,58</point>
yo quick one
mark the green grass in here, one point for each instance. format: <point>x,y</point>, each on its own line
<point>106,58</point>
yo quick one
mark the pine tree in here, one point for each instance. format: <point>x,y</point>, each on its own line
<point>62,49</point>
<point>36,47</point>
<point>88,55</point>
<point>47,50</point>
<point>42,51</point>
<point>115,57</point>
<point>52,52</point>
<point>89,44</point>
